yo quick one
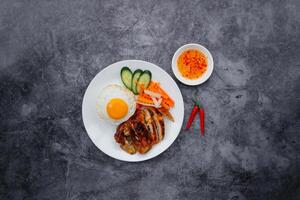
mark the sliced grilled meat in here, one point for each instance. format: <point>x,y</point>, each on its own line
<point>140,127</point>
<point>159,123</point>
<point>119,135</point>
<point>141,131</point>
<point>150,125</point>
<point>166,113</point>
<point>128,146</point>
<point>144,149</point>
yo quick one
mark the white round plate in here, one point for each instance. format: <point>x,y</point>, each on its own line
<point>201,79</point>
<point>102,133</point>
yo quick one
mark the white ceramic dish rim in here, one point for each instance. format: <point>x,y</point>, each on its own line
<point>180,120</point>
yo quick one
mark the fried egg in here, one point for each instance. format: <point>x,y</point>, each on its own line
<point>115,104</point>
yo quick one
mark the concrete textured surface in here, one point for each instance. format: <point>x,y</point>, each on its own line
<point>50,51</point>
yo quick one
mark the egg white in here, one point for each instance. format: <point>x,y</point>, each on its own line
<point>115,91</point>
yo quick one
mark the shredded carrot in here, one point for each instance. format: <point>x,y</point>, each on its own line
<point>155,87</point>
<point>192,64</point>
<point>167,102</point>
<point>165,105</point>
<point>144,99</point>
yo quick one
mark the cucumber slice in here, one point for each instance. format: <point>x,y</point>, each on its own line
<point>144,79</point>
<point>136,75</point>
<point>126,76</point>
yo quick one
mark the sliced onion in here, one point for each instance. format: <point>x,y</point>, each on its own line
<point>152,94</point>
<point>159,101</point>
<point>145,104</point>
<point>156,103</point>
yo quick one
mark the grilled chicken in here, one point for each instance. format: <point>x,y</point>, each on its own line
<point>158,123</point>
<point>141,131</point>
<point>165,112</point>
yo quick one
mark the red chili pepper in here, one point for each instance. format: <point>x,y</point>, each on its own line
<point>192,116</point>
<point>202,117</point>
<point>202,120</point>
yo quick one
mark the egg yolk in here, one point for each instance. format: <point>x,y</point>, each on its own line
<point>116,108</point>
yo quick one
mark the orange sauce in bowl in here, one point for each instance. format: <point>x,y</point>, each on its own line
<point>192,64</point>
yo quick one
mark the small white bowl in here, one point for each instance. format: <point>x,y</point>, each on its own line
<point>207,73</point>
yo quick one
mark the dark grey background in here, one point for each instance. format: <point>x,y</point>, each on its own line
<point>50,51</point>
